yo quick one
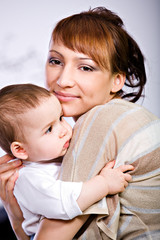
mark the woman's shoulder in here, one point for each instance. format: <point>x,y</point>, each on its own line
<point>118,110</point>
<point>112,106</point>
<point>120,106</point>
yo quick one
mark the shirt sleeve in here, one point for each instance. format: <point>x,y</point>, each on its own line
<point>43,195</point>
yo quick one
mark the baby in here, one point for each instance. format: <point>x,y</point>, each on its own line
<point>32,129</point>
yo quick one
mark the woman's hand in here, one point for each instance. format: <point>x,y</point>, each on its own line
<point>7,169</point>
<point>8,177</point>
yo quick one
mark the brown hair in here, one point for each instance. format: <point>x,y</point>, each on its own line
<point>100,34</point>
<point>14,101</point>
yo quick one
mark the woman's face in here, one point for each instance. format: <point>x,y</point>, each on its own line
<point>76,80</point>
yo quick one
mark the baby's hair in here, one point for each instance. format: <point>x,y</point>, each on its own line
<point>100,34</point>
<point>15,100</point>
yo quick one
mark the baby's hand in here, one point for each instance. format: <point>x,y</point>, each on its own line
<point>116,179</point>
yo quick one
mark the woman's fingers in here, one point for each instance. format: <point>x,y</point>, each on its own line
<point>5,158</point>
<point>11,181</point>
<point>3,181</point>
<point>10,202</point>
<point>6,182</point>
<point>5,166</point>
<point>8,177</point>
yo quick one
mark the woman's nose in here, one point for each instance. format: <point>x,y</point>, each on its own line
<point>66,78</point>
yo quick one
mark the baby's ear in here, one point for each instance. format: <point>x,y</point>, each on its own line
<point>118,83</point>
<point>18,150</point>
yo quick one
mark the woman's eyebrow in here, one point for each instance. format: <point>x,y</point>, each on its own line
<point>78,57</point>
<point>85,58</point>
<point>52,50</point>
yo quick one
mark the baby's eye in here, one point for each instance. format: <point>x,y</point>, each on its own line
<point>49,130</point>
<point>54,61</point>
<point>61,118</point>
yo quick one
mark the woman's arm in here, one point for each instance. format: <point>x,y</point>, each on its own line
<point>13,210</point>
<point>8,176</point>
<point>59,229</point>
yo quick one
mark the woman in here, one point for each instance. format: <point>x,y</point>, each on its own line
<point>91,57</point>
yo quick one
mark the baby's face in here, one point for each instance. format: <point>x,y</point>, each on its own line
<point>47,134</point>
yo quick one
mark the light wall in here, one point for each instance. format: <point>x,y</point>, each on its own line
<point>26,26</point>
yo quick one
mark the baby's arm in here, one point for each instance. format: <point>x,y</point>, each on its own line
<point>109,181</point>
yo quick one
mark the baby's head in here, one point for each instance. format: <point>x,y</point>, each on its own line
<point>27,115</point>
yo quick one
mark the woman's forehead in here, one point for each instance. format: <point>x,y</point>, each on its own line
<point>87,40</point>
<point>60,48</point>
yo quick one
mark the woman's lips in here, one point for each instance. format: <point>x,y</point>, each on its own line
<point>65,97</point>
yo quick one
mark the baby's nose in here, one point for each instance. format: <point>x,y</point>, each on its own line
<point>63,132</point>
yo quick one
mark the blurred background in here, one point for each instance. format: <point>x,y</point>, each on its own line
<point>25,30</point>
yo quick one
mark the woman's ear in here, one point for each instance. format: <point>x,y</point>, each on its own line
<point>18,150</point>
<point>118,82</point>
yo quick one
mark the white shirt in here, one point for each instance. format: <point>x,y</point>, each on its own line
<point>40,194</point>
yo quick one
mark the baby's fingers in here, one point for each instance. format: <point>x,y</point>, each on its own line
<point>110,164</point>
<point>125,168</point>
<point>125,184</point>
<point>128,177</point>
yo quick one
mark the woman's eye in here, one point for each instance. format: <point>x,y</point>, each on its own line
<point>53,61</point>
<point>87,69</point>
<point>49,130</point>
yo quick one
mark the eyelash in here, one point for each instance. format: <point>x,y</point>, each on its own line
<point>49,130</point>
<point>87,68</point>
<point>54,61</point>
<point>61,118</point>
